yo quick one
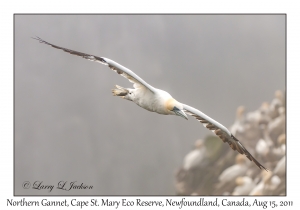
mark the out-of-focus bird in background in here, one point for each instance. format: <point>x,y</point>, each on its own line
<point>226,179</point>
<point>244,185</point>
<point>237,127</point>
<point>192,168</point>
<point>196,157</point>
<point>276,103</point>
<point>277,126</point>
<point>161,102</point>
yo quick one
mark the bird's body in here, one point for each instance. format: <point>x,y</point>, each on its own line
<point>234,171</point>
<point>153,102</point>
<point>195,158</point>
<point>258,189</point>
<point>159,101</point>
<point>276,103</point>
<point>280,167</point>
<point>244,185</point>
<point>277,126</point>
<point>262,148</point>
<point>237,126</point>
<point>231,173</point>
<point>271,185</point>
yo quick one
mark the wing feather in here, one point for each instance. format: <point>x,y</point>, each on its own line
<point>222,132</point>
<point>123,71</point>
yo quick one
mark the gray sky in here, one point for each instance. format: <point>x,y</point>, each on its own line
<point>69,127</point>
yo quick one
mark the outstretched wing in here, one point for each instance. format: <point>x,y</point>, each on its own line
<point>222,132</point>
<point>123,71</point>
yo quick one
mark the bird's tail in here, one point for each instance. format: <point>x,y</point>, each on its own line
<point>120,91</point>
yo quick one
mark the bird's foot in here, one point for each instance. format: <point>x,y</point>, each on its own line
<point>120,91</point>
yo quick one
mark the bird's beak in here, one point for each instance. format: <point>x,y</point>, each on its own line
<point>180,113</point>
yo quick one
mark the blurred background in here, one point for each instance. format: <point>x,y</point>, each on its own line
<point>69,127</point>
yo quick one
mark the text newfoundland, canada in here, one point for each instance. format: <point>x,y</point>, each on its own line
<point>176,203</point>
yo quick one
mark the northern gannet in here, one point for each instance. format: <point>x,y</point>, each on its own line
<point>237,126</point>
<point>277,126</point>
<point>244,185</point>
<point>280,167</point>
<point>276,103</point>
<point>159,101</point>
<point>279,151</point>
<point>231,173</point>
<point>258,189</point>
<point>194,158</point>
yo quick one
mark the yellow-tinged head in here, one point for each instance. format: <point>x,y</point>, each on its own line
<point>240,112</point>
<point>239,181</point>
<point>175,107</point>
<point>199,144</point>
<point>278,94</point>
<point>281,139</point>
<point>240,159</point>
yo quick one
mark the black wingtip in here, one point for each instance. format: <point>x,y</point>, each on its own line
<point>36,38</point>
<point>249,156</point>
<point>267,170</point>
<point>40,40</point>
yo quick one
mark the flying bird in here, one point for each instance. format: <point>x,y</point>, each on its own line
<point>159,101</point>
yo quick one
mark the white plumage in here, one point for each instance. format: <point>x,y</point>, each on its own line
<point>234,171</point>
<point>159,101</point>
<point>280,167</point>
<point>194,158</point>
<point>277,126</point>
<point>238,127</point>
<point>244,185</point>
<point>258,189</point>
<point>262,148</point>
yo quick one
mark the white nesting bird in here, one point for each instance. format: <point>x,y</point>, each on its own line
<point>244,185</point>
<point>159,101</point>
<point>231,173</point>
<point>264,145</point>
<point>260,116</point>
<point>267,185</point>
<point>252,127</point>
<point>276,103</point>
<point>280,167</point>
<point>279,151</point>
<point>238,126</point>
<point>258,189</point>
<point>277,126</point>
<point>262,148</point>
<point>281,140</point>
<point>271,184</point>
<point>194,158</point>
